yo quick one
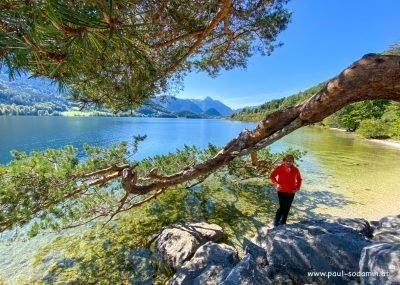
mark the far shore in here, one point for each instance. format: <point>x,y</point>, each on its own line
<point>389,142</point>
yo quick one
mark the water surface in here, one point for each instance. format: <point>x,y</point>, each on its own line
<point>343,174</point>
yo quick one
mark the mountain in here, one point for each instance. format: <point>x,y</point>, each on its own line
<point>209,103</point>
<point>174,104</point>
<point>212,112</point>
<point>197,106</point>
<point>32,96</point>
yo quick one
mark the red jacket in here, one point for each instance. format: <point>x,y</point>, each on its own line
<point>288,178</point>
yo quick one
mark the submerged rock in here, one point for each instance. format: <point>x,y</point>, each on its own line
<point>142,271</point>
<point>179,242</point>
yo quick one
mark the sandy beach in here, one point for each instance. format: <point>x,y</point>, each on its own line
<point>389,142</point>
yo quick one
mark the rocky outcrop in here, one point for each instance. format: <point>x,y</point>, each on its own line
<point>303,253</point>
<point>304,249</point>
<point>210,265</point>
<point>179,242</point>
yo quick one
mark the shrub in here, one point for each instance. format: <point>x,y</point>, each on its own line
<point>373,128</point>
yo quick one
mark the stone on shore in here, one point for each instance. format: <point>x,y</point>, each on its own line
<point>380,264</point>
<point>299,249</point>
<point>179,242</point>
<point>387,229</point>
<point>361,225</point>
<point>303,253</point>
<point>210,265</point>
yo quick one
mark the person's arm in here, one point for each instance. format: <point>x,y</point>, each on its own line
<point>273,176</point>
<point>298,180</point>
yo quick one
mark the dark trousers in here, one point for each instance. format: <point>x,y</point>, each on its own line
<point>285,201</point>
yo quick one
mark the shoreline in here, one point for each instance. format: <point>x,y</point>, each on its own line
<point>388,142</point>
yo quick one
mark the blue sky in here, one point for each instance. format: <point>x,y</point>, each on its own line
<point>323,38</point>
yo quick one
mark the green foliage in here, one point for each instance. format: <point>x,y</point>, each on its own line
<point>394,49</point>
<point>371,119</point>
<point>352,115</point>
<point>49,187</point>
<point>45,185</point>
<point>259,113</point>
<point>373,128</point>
<point>111,254</point>
<point>120,53</point>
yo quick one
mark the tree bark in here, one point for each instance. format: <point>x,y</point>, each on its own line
<point>373,76</point>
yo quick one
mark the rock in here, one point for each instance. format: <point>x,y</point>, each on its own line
<point>390,222</point>
<point>382,260</point>
<point>387,235</point>
<point>295,250</point>
<point>388,229</point>
<point>361,225</point>
<point>247,272</point>
<point>210,265</point>
<point>374,224</point>
<point>257,253</point>
<point>179,242</point>
<point>251,270</point>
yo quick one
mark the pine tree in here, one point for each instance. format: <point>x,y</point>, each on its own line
<point>119,53</point>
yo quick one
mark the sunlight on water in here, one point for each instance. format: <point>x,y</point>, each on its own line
<point>345,175</point>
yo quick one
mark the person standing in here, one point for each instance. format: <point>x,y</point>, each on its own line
<point>287,180</point>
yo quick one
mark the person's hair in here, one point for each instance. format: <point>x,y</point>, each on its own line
<point>288,157</point>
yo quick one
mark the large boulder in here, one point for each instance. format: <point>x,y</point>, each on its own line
<point>380,264</point>
<point>387,229</point>
<point>307,250</point>
<point>177,243</point>
<point>210,265</point>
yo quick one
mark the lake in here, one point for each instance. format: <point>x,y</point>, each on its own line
<point>344,175</point>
